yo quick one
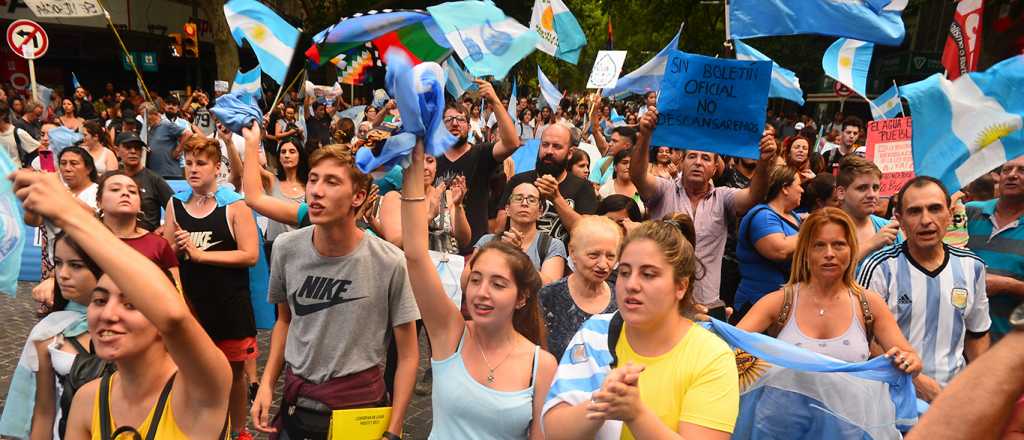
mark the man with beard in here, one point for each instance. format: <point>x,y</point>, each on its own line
<point>476,161</point>
<point>566,197</point>
<point>694,194</point>
<point>857,186</point>
<point>153,189</point>
<point>996,230</point>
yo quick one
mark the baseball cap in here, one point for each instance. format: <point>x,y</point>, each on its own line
<point>126,137</point>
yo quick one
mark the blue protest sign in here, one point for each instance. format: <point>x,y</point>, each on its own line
<point>713,104</point>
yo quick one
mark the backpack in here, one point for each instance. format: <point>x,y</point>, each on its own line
<point>787,309</point>
<point>86,368</point>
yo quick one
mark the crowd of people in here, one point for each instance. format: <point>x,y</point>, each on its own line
<point>605,254</point>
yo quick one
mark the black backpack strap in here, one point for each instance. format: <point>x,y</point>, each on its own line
<point>154,423</point>
<point>105,429</point>
<point>78,345</point>
<point>158,411</point>
<point>614,330</point>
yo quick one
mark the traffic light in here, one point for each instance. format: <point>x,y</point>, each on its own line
<point>190,41</point>
<point>175,44</point>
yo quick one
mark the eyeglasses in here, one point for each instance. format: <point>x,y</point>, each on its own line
<point>452,119</point>
<point>530,200</point>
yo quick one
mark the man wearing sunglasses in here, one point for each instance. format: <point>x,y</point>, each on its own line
<point>477,162</point>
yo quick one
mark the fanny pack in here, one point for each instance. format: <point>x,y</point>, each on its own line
<point>364,389</point>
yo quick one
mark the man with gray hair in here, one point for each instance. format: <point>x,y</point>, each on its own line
<point>32,119</point>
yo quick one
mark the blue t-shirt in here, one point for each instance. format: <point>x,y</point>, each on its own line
<point>759,275</point>
<point>162,139</point>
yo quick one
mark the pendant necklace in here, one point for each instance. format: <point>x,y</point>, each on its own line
<point>490,370</point>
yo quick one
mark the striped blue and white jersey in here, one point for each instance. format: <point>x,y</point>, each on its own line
<point>934,309</point>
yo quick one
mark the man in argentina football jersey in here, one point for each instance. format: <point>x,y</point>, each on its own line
<point>936,292</point>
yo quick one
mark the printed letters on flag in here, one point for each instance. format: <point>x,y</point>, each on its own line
<point>560,34</point>
<point>963,44</point>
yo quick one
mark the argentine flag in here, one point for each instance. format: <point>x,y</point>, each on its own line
<point>887,105</point>
<point>485,39</point>
<point>785,84</point>
<point>549,91</point>
<point>560,34</point>
<point>967,127</point>
<point>272,39</point>
<point>249,82</point>
<point>645,78</point>
<point>12,234</point>
<point>878,21</point>
<point>848,62</point>
<point>458,80</point>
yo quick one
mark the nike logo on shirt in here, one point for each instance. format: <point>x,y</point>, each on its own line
<point>328,291</point>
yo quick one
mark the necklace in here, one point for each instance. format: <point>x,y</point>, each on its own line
<point>490,370</point>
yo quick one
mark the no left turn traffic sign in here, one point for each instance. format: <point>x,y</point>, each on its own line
<point>841,90</point>
<point>27,39</point>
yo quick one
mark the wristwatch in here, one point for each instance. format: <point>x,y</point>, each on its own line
<point>1017,317</point>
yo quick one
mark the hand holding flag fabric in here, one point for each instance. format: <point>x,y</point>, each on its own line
<point>236,110</point>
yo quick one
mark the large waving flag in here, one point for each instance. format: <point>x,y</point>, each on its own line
<point>249,81</point>
<point>12,233</point>
<point>272,39</point>
<point>785,84</point>
<point>560,34</point>
<point>356,68</point>
<point>848,62</point>
<point>485,39</point>
<point>887,105</point>
<point>862,20</point>
<point>647,77</point>
<point>459,81</point>
<point>548,90</point>
<point>414,32</point>
<point>967,127</point>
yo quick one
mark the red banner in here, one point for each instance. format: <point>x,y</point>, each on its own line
<point>963,44</point>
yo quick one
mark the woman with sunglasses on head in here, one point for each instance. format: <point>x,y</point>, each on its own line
<point>36,405</point>
<point>663,376</point>
<point>138,321</point>
<point>490,373</point>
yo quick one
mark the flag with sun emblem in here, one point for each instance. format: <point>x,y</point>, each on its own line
<point>790,392</point>
<point>272,39</point>
<point>560,34</point>
<point>848,62</point>
<point>967,127</point>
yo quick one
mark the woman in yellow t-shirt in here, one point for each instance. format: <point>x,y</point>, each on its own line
<point>675,379</point>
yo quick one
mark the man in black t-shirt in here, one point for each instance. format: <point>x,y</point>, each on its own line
<point>566,197</point>
<point>477,162</point>
<point>153,189</point>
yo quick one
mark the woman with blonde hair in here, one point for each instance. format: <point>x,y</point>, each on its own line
<point>647,371</point>
<point>822,308</point>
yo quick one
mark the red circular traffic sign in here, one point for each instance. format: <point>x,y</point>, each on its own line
<point>27,39</point>
<point>841,89</point>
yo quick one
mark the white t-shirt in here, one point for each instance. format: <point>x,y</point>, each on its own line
<point>28,144</point>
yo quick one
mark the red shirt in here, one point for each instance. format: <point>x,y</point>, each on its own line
<point>155,248</point>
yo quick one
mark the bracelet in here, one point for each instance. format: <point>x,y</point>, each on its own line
<point>412,199</point>
<point>391,436</point>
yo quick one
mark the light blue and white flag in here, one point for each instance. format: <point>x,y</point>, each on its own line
<point>485,39</point>
<point>645,78</point>
<point>549,91</point>
<point>44,97</point>
<point>862,20</point>
<point>560,34</point>
<point>75,84</point>
<point>459,81</point>
<point>12,234</point>
<point>848,62</point>
<point>512,104</point>
<point>272,39</point>
<point>887,105</point>
<point>249,82</point>
<point>785,84</point>
<point>967,127</point>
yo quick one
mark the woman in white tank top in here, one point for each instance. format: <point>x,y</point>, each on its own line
<point>97,142</point>
<point>827,311</point>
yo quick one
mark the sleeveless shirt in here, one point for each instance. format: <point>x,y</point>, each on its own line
<point>218,295</point>
<point>851,346</point>
<point>166,429</point>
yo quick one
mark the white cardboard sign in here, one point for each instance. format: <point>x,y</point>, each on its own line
<point>607,67</point>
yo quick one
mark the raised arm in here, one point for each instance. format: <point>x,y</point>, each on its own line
<point>748,197</point>
<point>202,367</point>
<point>508,136</point>
<point>646,184</point>
<point>255,197</point>
<point>440,314</point>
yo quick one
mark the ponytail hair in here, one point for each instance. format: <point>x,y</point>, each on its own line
<point>674,236</point>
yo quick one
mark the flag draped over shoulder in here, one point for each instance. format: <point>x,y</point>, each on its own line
<point>848,61</point>
<point>272,39</point>
<point>866,21</point>
<point>785,84</point>
<point>887,105</point>
<point>967,127</point>
<point>12,233</point>
<point>414,32</point>
<point>645,78</point>
<point>548,90</point>
<point>485,39</point>
<point>560,34</point>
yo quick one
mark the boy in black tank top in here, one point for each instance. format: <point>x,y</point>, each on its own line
<point>214,234</point>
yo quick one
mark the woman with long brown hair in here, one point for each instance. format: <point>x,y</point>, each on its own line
<point>490,373</point>
<point>96,141</point>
